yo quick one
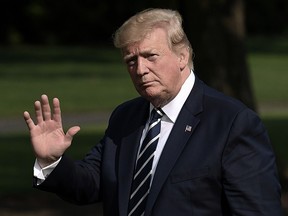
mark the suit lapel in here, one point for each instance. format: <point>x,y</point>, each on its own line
<point>181,132</point>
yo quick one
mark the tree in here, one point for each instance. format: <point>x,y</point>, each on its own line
<point>217,32</point>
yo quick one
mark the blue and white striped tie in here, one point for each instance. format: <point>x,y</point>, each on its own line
<point>142,174</point>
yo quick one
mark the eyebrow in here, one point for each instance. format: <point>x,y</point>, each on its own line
<point>129,57</point>
<point>141,53</point>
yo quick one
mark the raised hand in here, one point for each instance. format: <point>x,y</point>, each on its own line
<point>48,138</point>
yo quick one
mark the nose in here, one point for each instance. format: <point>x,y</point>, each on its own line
<point>142,68</point>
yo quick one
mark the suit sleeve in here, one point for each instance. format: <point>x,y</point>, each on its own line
<point>251,184</point>
<point>76,182</point>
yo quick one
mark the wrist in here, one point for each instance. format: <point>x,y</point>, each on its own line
<point>46,162</point>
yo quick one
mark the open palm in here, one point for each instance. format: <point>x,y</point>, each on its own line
<point>48,139</point>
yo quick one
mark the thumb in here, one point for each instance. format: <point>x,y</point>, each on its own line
<point>71,132</point>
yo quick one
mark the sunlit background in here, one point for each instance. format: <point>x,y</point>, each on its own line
<point>64,49</point>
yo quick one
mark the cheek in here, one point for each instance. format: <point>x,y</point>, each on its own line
<point>131,73</point>
<point>171,76</point>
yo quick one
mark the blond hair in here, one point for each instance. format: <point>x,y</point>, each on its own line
<point>137,27</point>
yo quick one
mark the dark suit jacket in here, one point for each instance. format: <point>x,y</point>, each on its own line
<point>224,165</point>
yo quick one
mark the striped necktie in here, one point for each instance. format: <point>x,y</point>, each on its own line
<point>142,173</point>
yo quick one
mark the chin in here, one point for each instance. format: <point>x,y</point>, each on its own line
<point>156,99</point>
<point>149,94</point>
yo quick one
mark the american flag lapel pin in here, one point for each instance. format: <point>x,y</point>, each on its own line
<point>188,128</point>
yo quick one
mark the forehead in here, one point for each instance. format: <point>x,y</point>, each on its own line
<point>155,40</point>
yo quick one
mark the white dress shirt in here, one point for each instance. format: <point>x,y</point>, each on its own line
<point>171,110</point>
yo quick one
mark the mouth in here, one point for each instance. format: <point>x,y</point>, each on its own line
<point>147,84</point>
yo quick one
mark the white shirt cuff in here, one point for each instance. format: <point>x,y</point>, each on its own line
<point>42,173</point>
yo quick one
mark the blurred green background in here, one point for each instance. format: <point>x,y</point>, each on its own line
<point>63,49</point>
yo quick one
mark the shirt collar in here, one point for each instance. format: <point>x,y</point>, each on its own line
<point>172,109</point>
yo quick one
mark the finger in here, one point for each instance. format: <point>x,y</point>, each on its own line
<point>71,132</point>
<point>38,111</point>
<point>28,120</point>
<point>46,110</point>
<point>57,110</point>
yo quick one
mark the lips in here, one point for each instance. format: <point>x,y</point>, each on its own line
<point>147,83</point>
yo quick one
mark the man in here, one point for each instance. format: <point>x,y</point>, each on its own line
<point>204,153</point>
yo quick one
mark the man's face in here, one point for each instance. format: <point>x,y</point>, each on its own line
<point>156,71</point>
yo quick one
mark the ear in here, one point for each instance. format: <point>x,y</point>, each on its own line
<point>183,58</point>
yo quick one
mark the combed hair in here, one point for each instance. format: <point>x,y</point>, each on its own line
<point>137,27</point>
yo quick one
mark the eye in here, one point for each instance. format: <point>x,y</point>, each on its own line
<point>152,57</point>
<point>130,61</point>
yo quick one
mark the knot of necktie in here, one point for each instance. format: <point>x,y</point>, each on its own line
<point>156,114</point>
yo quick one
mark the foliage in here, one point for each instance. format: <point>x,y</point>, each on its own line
<point>79,22</point>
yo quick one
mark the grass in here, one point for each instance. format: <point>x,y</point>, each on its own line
<point>268,61</point>
<point>17,159</point>
<point>94,80</point>
<point>269,75</point>
<point>85,79</point>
